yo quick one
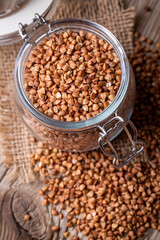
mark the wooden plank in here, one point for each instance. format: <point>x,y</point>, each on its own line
<point>147,22</point>
<point>16,201</point>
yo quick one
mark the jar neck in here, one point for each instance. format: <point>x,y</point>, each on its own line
<point>75,25</point>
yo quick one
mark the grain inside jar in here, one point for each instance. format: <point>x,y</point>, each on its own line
<point>72,76</point>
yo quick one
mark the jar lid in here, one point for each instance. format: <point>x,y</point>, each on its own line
<point>22,12</point>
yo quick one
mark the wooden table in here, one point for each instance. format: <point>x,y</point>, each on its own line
<point>16,200</point>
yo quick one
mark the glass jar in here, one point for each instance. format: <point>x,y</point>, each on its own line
<point>91,133</point>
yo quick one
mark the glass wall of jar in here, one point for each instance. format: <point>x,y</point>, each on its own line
<point>83,135</point>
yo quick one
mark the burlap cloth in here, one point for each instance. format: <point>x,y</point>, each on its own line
<point>14,136</point>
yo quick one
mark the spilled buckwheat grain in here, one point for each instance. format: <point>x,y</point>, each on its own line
<point>101,201</point>
<point>146,65</point>
<point>72,76</point>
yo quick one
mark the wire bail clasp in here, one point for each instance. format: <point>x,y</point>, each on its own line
<point>104,134</point>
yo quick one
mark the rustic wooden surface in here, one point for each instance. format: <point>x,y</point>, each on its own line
<point>17,200</point>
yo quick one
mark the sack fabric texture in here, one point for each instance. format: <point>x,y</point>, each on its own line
<point>14,136</point>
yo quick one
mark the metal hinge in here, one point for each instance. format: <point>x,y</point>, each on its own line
<point>38,21</point>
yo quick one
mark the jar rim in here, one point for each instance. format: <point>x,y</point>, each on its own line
<point>77,24</point>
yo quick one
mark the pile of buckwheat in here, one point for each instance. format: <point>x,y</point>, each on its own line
<point>146,65</point>
<point>105,203</point>
<point>102,202</point>
<point>72,76</point>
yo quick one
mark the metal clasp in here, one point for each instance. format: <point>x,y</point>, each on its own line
<point>37,21</point>
<point>104,134</point>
